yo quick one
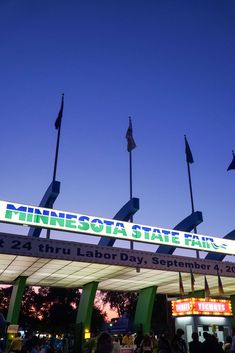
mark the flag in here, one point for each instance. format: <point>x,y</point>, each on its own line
<point>232,164</point>
<point>129,136</point>
<point>181,286</point>
<point>207,289</point>
<point>60,114</point>
<point>220,285</point>
<point>192,280</point>
<point>189,156</point>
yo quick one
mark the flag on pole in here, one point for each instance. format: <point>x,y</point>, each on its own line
<point>60,114</point>
<point>232,164</point>
<point>220,285</point>
<point>189,156</point>
<point>192,280</point>
<point>129,136</point>
<point>207,289</point>
<point>181,286</point>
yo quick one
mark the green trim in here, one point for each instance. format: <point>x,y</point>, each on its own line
<point>16,299</point>
<point>143,313</point>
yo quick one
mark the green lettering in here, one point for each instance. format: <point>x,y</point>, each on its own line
<point>120,229</point>
<point>84,223</point>
<point>54,221</point>
<point>71,223</point>
<point>156,236</point>
<point>40,219</point>
<point>10,214</point>
<point>136,233</point>
<point>96,225</point>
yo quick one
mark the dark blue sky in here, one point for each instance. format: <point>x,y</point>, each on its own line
<point>168,64</point>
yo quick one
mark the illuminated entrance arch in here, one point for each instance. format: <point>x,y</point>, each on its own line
<point>121,262</point>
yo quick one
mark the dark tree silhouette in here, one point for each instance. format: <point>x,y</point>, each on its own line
<point>49,309</point>
<point>123,302</point>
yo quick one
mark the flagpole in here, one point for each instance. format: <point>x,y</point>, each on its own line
<point>56,154</point>
<point>57,150</point>
<point>130,166</point>
<point>192,202</point>
<point>130,146</point>
<point>131,217</point>
<point>57,146</point>
<point>191,194</point>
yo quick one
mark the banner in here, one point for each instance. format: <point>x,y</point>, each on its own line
<point>23,245</point>
<point>33,216</point>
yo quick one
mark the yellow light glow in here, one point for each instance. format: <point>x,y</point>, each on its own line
<point>87,334</point>
<point>201,306</point>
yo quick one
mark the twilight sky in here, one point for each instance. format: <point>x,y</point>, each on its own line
<point>169,64</point>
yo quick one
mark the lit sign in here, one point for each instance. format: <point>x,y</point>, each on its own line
<point>201,306</point>
<point>78,223</point>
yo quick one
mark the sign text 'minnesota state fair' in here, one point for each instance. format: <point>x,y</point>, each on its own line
<point>73,222</point>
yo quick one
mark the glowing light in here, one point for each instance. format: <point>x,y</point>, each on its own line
<point>201,306</point>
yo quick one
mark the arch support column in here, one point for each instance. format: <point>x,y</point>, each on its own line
<point>144,309</point>
<point>84,314</point>
<point>16,299</point>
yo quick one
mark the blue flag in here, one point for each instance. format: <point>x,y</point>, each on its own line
<point>232,164</point>
<point>129,136</point>
<point>189,156</point>
<point>60,114</point>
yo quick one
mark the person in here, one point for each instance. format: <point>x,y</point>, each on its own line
<point>154,341</point>
<point>104,343</point>
<point>195,346</point>
<point>163,344</point>
<point>233,341</point>
<point>137,341</point>
<point>127,339</point>
<point>227,344</point>
<point>146,345</point>
<point>210,344</point>
<point>116,345</point>
<point>217,346</point>
<point>178,343</point>
<point>206,344</point>
<point>16,343</point>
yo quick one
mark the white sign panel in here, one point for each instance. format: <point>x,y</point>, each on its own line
<point>78,223</point>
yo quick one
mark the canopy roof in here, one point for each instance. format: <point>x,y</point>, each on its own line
<point>75,264</point>
<point>70,274</point>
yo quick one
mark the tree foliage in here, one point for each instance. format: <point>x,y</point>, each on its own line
<point>123,302</point>
<point>48,309</point>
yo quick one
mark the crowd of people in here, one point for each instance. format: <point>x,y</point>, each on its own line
<point>33,344</point>
<point>163,344</point>
<point>139,343</point>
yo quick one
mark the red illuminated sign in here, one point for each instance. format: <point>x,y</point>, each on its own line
<point>201,306</point>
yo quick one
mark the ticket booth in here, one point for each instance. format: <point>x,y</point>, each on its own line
<point>203,315</point>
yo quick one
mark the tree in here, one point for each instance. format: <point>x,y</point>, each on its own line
<point>49,309</point>
<point>123,302</point>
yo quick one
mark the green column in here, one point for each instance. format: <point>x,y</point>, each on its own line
<point>143,313</point>
<point>84,313</point>
<point>232,298</point>
<point>16,299</point>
